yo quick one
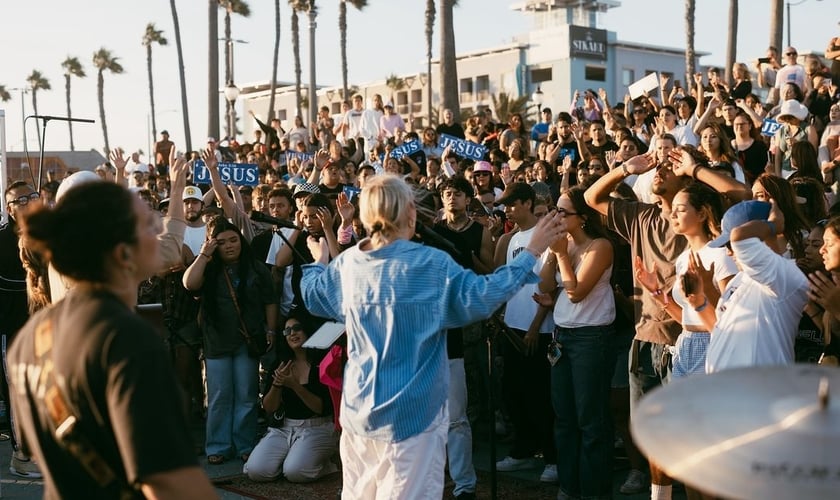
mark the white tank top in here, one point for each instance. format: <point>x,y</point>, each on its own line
<point>597,309</point>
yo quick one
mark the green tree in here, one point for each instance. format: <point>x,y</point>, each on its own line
<point>231,7</point>
<point>5,96</point>
<point>103,61</point>
<point>185,112</point>
<point>72,67</point>
<point>430,31</point>
<point>394,83</point>
<point>448,66</point>
<point>37,81</point>
<point>505,106</point>
<point>152,36</point>
<point>342,29</point>
<point>274,61</point>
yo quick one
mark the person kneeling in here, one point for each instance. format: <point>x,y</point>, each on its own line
<point>301,437</point>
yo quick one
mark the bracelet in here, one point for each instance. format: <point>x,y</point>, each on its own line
<point>659,292</point>
<point>200,254</point>
<point>624,170</point>
<point>696,168</point>
<point>703,305</point>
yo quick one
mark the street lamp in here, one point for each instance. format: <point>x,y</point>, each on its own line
<point>788,5</point>
<point>537,98</point>
<point>231,95</point>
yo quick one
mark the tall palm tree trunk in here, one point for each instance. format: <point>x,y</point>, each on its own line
<point>430,30</point>
<point>313,93</point>
<point>731,40</point>
<point>689,43</point>
<point>274,60</point>
<point>185,109</point>
<point>151,87</point>
<point>777,21</point>
<point>228,72</point>
<point>100,95</point>
<point>448,65</point>
<point>35,111</point>
<point>213,69</point>
<point>69,113</point>
<point>342,29</point>
<point>296,52</point>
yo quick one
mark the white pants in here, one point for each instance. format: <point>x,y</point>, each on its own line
<point>459,447</point>
<point>410,469</point>
<point>301,451</point>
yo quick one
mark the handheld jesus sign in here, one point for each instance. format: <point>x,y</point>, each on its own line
<point>241,174</point>
<point>462,148</point>
<point>769,127</point>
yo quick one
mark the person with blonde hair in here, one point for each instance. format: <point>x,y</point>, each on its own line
<point>397,298</point>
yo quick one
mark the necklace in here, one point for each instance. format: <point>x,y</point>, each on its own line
<point>455,226</point>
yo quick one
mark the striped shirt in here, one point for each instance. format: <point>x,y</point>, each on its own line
<point>397,303</point>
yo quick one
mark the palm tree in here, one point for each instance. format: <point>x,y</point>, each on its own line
<point>312,11</point>
<point>151,36</point>
<point>342,29</point>
<point>731,40</point>
<point>37,82</point>
<point>448,66</point>
<point>5,96</point>
<point>185,110</point>
<point>274,60</point>
<point>102,61</point>
<point>689,44</point>
<point>213,69</point>
<point>231,7</point>
<point>430,30</point>
<point>394,83</point>
<point>72,67</point>
<point>777,21</point>
<point>297,6</point>
<point>504,106</point>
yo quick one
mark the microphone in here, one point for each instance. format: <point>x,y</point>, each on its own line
<point>62,118</point>
<point>261,217</point>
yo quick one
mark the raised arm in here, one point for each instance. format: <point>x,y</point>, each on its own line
<point>119,162</point>
<point>598,196</point>
<point>684,164</point>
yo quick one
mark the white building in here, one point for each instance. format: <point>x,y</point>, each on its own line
<point>563,52</point>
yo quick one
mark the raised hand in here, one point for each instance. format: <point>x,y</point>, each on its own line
<point>209,157</point>
<point>319,249</point>
<point>647,278</point>
<point>682,163</point>
<point>697,280</point>
<point>326,217</point>
<point>118,159</point>
<point>345,209</point>
<point>611,157</point>
<point>602,94</point>
<point>640,164</point>
<point>506,175</point>
<point>825,291</point>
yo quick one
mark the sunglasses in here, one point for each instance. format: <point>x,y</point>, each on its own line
<point>564,212</point>
<point>24,200</point>
<point>790,53</point>
<point>294,328</point>
<point>481,173</point>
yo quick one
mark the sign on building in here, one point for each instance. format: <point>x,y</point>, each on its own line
<point>587,43</point>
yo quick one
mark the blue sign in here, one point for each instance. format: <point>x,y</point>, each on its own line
<point>241,174</point>
<point>406,149</point>
<point>462,148</point>
<point>769,127</point>
<point>351,192</point>
<point>302,157</point>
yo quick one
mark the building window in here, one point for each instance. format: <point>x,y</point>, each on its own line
<point>541,75</point>
<point>336,108</point>
<point>668,75</point>
<point>595,73</point>
<point>416,100</point>
<point>466,90</point>
<point>628,76</point>
<point>402,102</point>
<point>281,114</point>
<point>482,87</point>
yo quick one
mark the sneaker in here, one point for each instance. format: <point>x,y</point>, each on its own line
<point>549,474</point>
<point>636,482</point>
<point>509,464</point>
<point>23,466</point>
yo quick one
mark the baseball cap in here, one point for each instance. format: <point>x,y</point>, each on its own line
<point>192,193</point>
<point>483,166</point>
<point>517,191</point>
<point>305,188</point>
<point>737,215</point>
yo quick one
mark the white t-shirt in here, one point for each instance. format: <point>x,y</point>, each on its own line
<point>791,74</point>
<point>276,244</point>
<point>521,308</point>
<point>194,237</point>
<point>724,268</point>
<point>759,312</point>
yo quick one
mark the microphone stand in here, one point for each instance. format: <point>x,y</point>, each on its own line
<point>46,120</point>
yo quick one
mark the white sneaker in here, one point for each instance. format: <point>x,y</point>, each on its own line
<point>549,474</point>
<point>509,464</point>
<point>23,466</point>
<point>636,482</point>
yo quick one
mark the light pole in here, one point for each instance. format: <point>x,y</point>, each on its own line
<point>231,112</point>
<point>790,4</point>
<point>537,98</point>
<point>313,94</point>
<point>231,94</point>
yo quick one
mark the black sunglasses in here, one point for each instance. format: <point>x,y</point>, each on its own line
<point>25,199</point>
<point>294,328</point>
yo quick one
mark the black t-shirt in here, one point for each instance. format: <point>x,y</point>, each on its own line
<point>753,160</point>
<point>455,130</point>
<point>118,376</point>
<point>293,405</point>
<point>600,150</point>
<point>14,310</point>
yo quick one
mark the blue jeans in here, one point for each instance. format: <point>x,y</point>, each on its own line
<point>580,390</point>
<point>232,392</point>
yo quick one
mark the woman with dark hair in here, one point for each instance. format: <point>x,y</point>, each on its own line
<point>516,130</point>
<point>238,315</point>
<point>301,437</point>
<point>825,291</point>
<point>811,193</point>
<point>748,147</point>
<point>714,144</point>
<point>118,389</point>
<point>578,270</point>
<point>804,163</point>
<point>791,243</point>
<point>695,213</point>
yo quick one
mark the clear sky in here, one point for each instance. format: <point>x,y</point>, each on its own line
<point>387,37</point>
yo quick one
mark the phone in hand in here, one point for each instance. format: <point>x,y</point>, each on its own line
<point>764,60</point>
<point>688,285</point>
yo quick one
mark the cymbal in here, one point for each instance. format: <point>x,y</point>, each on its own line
<point>763,432</point>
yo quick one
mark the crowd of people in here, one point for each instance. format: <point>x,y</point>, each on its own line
<point>608,249</point>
